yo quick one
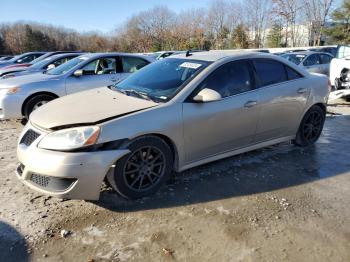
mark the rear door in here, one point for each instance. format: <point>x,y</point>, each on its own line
<point>97,73</point>
<point>131,64</point>
<point>211,128</point>
<point>325,60</point>
<point>313,64</point>
<point>282,96</point>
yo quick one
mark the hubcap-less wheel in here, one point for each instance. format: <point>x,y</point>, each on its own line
<point>312,127</point>
<point>144,168</point>
<point>39,104</point>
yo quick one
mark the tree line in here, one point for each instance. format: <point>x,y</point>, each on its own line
<point>224,24</point>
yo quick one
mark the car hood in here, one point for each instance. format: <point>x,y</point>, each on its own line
<point>12,69</point>
<point>5,63</point>
<point>88,107</point>
<point>26,79</point>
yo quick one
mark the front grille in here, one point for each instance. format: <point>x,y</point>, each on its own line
<point>29,137</point>
<point>51,183</point>
<point>42,181</point>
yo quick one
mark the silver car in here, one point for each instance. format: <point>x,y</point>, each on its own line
<point>174,114</point>
<point>24,58</point>
<point>38,67</point>
<point>314,62</point>
<point>19,96</point>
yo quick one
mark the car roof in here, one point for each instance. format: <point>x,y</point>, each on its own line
<point>213,56</point>
<point>63,55</point>
<point>112,54</point>
<point>97,55</point>
<point>308,53</point>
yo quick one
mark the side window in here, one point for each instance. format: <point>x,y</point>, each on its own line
<point>311,60</point>
<point>270,72</point>
<point>102,66</point>
<point>292,74</point>
<point>62,61</point>
<point>132,64</point>
<point>325,59</point>
<point>230,79</point>
<point>25,59</point>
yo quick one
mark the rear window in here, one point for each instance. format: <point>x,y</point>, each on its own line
<point>270,72</point>
<point>292,74</point>
<point>325,59</point>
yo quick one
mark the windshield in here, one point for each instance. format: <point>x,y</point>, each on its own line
<point>40,58</point>
<point>64,68</point>
<point>42,63</point>
<point>295,58</point>
<point>343,52</point>
<point>162,79</point>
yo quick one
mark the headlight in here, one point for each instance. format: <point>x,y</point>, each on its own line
<point>13,90</point>
<point>72,138</point>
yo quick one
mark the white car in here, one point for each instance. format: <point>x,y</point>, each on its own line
<point>341,61</point>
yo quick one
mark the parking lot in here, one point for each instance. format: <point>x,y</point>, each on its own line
<point>280,203</point>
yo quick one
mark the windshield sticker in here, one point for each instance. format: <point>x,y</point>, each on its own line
<point>190,65</point>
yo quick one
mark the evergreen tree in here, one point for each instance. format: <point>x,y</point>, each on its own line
<point>274,37</point>
<point>340,29</point>
<point>240,37</point>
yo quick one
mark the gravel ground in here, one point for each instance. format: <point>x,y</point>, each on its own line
<point>280,203</point>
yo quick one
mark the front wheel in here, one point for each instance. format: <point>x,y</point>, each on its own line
<point>144,169</point>
<point>36,102</point>
<point>310,127</point>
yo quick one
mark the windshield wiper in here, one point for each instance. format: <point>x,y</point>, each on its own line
<point>132,92</point>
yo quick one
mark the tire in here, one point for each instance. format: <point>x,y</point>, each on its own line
<point>143,171</point>
<point>347,98</point>
<point>310,127</point>
<point>36,102</point>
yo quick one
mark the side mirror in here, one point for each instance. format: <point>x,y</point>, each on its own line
<point>207,95</point>
<point>78,73</point>
<point>50,66</point>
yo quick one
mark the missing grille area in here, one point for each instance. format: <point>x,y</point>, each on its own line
<point>20,169</point>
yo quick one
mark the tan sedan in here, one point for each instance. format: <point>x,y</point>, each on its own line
<point>174,114</point>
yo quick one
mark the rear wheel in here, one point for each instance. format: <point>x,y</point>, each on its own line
<point>144,169</point>
<point>310,127</point>
<point>36,102</point>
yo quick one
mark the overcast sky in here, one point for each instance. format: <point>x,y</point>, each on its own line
<point>85,15</point>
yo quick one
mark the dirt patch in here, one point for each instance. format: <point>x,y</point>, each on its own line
<point>280,203</point>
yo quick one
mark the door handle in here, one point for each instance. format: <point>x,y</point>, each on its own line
<point>114,80</point>
<point>302,90</point>
<point>251,103</point>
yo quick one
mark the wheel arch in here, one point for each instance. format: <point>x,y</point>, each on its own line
<point>321,105</point>
<point>169,142</point>
<point>34,95</point>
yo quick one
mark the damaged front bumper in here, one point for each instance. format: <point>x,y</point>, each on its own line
<point>73,175</point>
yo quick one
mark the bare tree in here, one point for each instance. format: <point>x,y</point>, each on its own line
<point>258,13</point>
<point>288,10</point>
<point>316,12</point>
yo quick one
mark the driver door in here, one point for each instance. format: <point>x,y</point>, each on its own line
<point>211,128</point>
<point>97,73</point>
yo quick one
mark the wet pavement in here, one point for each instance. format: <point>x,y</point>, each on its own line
<point>280,203</point>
